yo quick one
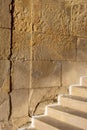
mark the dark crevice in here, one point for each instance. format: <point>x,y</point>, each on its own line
<point>11,9</point>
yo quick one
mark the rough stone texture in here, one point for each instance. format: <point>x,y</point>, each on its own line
<point>19,122</point>
<point>6,126</point>
<point>44,77</point>
<point>21,45</point>
<point>52,18</point>
<point>5,16</point>
<point>72,71</point>
<point>41,96</point>
<point>79,20</point>
<point>44,54</point>
<point>82,49</point>
<point>19,103</point>
<point>4,106</point>
<point>4,75</point>
<point>20,74</point>
<point>22,29</point>
<point>5,37</point>
<point>54,47</point>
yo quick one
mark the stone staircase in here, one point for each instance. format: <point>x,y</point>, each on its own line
<point>70,113</point>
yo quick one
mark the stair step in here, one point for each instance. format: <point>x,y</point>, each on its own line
<point>74,102</point>
<point>48,123</point>
<point>80,91</point>
<point>68,115</point>
<point>83,80</point>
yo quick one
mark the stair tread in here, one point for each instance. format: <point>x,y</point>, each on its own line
<point>70,111</point>
<point>75,98</point>
<point>56,123</point>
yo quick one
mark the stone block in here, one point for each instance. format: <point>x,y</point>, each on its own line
<point>22,16</point>
<point>72,71</point>
<point>4,76</point>
<point>79,20</point>
<point>39,97</point>
<point>5,15</point>
<point>5,41</point>
<point>82,49</point>
<point>20,74</point>
<point>22,30</point>
<point>46,74</point>
<point>4,106</point>
<point>54,47</point>
<point>21,46</point>
<point>19,103</point>
<point>52,18</point>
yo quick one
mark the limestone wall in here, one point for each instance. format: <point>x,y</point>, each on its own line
<point>43,48</point>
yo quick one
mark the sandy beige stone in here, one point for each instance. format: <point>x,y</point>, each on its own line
<point>82,49</point>
<point>46,74</point>
<point>52,18</point>
<point>54,47</point>
<point>19,122</point>
<point>4,106</point>
<point>79,19</point>
<point>5,41</point>
<point>19,103</point>
<point>20,74</point>
<point>4,76</point>
<point>38,97</point>
<point>22,30</point>
<point>21,46</point>
<point>72,71</point>
<point>5,15</point>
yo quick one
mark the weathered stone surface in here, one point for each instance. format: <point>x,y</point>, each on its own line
<point>22,16</point>
<point>72,71</point>
<point>52,18</point>
<point>4,75</point>
<point>79,19</point>
<point>5,41</point>
<point>82,49</point>
<point>4,106</point>
<point>38,97</point>
<point>22,29</point>
<point>19,103</point>
<point>6,126</point>
<point>54,47</point>
<point>19,122</point>
<point>5,15</point>
<point>20,74</point>
<point>46,74</point>
<point>73,2</point>
<point>21,45</point>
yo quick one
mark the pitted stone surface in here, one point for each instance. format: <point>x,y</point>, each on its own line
<point>54,47</point>
<point>79,20</point>
<point>22,29</point>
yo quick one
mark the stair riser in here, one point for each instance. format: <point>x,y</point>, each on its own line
<point>67,118</point>
<point>74,104</point>
<point>79,92</point>
<point>43,126</point>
